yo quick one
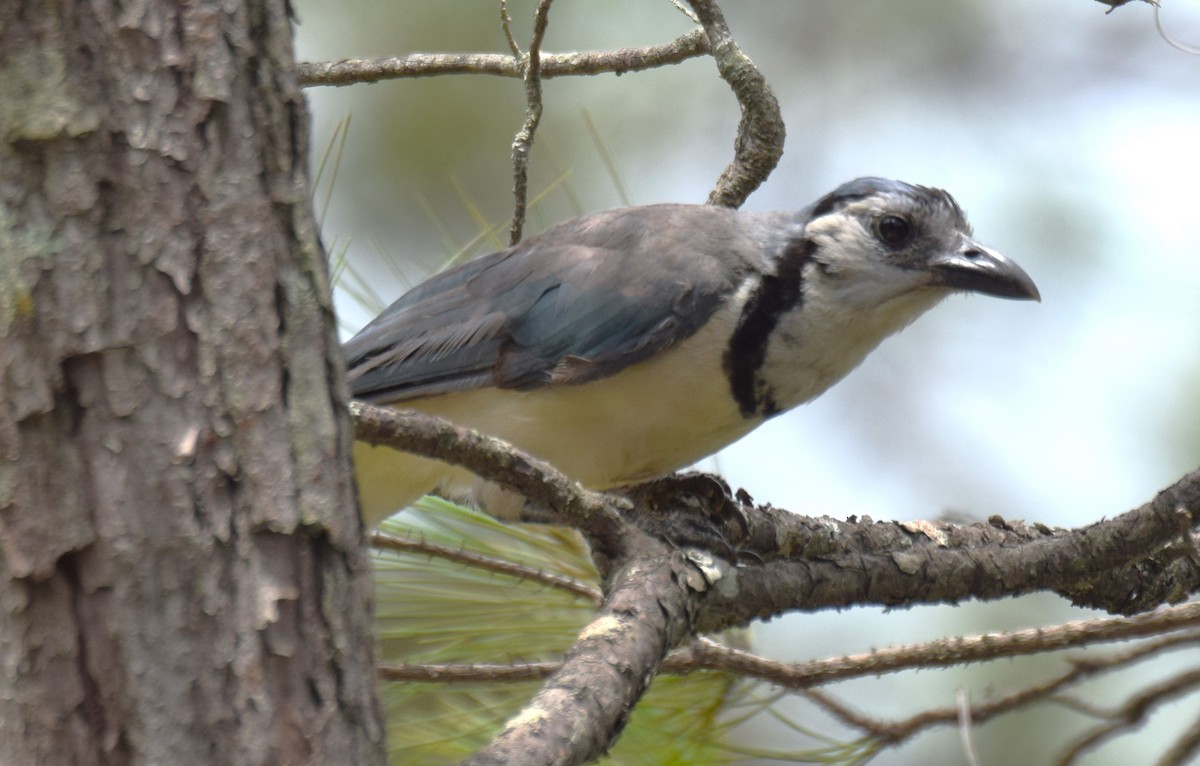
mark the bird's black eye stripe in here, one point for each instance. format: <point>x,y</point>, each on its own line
<point>893,230</point>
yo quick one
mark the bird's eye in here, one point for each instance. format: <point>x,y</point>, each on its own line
<point>894,230</point>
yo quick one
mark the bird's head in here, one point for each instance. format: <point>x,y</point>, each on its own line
<point>875,240</point>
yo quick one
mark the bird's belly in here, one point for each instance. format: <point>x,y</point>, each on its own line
<point>646,421</point>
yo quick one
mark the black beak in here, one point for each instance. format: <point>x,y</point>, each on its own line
<point>978,269</point>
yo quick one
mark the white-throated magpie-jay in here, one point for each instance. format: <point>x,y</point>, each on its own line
<point>624,345</point>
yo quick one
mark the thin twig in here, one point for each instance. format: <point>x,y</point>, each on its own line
<point>1173,41</point>
<point>452,672</point>
<point>352,71</point>
<point>506,25</point>
<point>523,141</point>
<point>1131,714</point>
<point>944,652</point>
<point>1185,748</point>
<point>705,654</point>
<point>899,731</point>
<point>385,541</point>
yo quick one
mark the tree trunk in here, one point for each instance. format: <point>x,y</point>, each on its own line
<point>182,576</point>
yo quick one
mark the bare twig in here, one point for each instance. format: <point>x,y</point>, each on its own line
<point>475,672</point>
<point>1184,750</point>
<point>1173,41</point>
<point>942,653</point>
<point>351,71</point>
<point>1115,4</point>
<point>891,733</point>
<point>759,143</point>
<point>385,541</point>
<point>506,25</point>
<point>523,142</point>
<point>703,654</point>
<point>1132,714</point>
<point>679,6</point>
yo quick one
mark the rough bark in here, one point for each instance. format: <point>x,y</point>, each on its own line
<point>182,578</point>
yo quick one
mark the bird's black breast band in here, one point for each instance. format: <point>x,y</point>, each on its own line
<point>776,294</point>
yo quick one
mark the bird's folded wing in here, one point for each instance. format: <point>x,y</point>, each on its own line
<point>580,302</point>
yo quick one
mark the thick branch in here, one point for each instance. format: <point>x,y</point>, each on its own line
<point>584,706</point>
<point>814,563</point>
<point>491,459</point>
<point>664,550</point>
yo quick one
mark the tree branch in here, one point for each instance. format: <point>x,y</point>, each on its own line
<point>1132,713</point>
<point>388,542</point>
<point>523,142</point>
<point>759,142</point>
<point>933,654</point>
<point>585,704</point>
<point>494,460</point>
<point>812,563</point>
<point>663,554</point>
<point>351,71</point>
<point>894,732</point>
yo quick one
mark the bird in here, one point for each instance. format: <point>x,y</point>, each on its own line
<point>624,345</point>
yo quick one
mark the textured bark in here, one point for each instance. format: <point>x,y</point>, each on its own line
<point>182,578</point>
<point>585,704</point>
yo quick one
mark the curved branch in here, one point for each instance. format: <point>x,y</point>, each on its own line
<point>759,142</point>
<point>493,460</point>
<point>352,71</point>
<point>523,142</point>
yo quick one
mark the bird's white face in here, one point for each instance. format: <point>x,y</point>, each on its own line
<point>880,249</point>
<point>874,264</point>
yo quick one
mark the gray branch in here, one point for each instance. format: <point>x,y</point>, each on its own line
<point>759,142</point>
<point>523,142</point>
<point>353,71</point>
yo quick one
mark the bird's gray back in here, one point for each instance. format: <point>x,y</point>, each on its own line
<point>579,302</point>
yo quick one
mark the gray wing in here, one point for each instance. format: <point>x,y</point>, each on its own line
<point>581,301</point>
